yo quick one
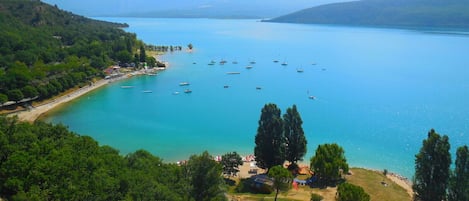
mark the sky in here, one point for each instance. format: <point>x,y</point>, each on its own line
<point>264,8</point>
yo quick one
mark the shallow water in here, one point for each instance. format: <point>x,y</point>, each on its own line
<point>378,91</point>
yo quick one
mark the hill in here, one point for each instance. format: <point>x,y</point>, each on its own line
<point>45,50</point>
<point>452,14</point>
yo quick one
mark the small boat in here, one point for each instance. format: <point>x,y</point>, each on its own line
<point>194,62</point>
<point>252,62</point>
<point>223,62</point>
<point>233,73</point>
<point>313,63</point>
<point>187,91</point>
<point>312,97</point>
<point>176,93</point>
<point>184,83</point>
<point>275,61</point>
<point>284,63</point>
<point>248,67</point>
<point>226,86</point>
<point>235,62</point>
<point>212,63</point>
<point>258,88</point>
<point>299,70</point>
<point>151,74</point>
<point>127,87</point>
<point>147,91</point>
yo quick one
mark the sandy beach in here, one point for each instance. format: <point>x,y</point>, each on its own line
<point>34,113</point>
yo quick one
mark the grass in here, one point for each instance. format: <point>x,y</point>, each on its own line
<point>369,180</point>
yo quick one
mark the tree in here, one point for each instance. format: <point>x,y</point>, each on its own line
<point>230,162</point>
<point>296,140</point>
<point>3,98</point>
<point>282,179</point>
<point>459,181</point>
<point>15,95</point>
<point>29,91</point>
<point>143,55</point>
<point>350,192</point>
<point>432,168</point>
<point>270,141</point>
<point>204,175</point>
<point>328,162</point>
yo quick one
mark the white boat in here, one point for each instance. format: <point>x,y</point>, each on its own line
<point>284,63</point>
<point>176,93</point>
<point>187,91</point>
<point>151,74</point>
<point>300,70</point>
<point>184,83</point>
<point>127,87</point>
<point>147,91</point>
<point>248,67</point>
<point>312,97</point>
<point>232,73</point>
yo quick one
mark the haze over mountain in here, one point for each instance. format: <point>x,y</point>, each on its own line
<point>187,8</point>
<point>395,13</point>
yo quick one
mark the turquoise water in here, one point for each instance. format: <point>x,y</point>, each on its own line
<point>378,91</point>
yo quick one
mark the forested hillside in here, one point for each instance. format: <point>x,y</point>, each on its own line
<point>397,13</point>
<point>45,50</point>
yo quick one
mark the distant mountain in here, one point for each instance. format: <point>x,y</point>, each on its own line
<point>395,13</point>
<point>186,8</point>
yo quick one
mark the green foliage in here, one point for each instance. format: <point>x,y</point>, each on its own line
<point>41,161</point>
<point>401,13</point>
<point>3,98</point>
<point>316,197</point>
<point>270,140</point>
<point>350,192</point>
<point>296,140</point>
<point>40,43</point>
<point>432,171</point>
<point>459,180</point>
<point>328,162</point>
<point>203,174</point>
<point>281,177</point>
<point>15,95</point>
<point>230,163</point>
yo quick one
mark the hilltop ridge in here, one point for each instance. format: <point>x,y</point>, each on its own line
<point>453,14</point>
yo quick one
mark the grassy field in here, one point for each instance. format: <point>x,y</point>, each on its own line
<point>370,181</point>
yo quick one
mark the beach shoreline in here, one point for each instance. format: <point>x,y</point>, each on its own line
<point>35,112</point>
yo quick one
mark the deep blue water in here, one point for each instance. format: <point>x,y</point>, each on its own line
<point>378,91</point>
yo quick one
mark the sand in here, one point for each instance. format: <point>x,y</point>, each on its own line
<point>33,113</point>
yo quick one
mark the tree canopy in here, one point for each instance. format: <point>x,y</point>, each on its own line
<point>270,140</point>
<point>282,179</point>
<point>230,163</point>
<point>295,136</point>
<point>41,161</point>
<point>432,171</point>
<point>41,46</point>
<point>350,192</point>
<point>459,180</point>
<point>328,162</point>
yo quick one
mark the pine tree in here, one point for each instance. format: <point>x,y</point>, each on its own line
<point>296,140</point>
<point>459,182</point>
<point>270,141</point>
<point>432,168</point>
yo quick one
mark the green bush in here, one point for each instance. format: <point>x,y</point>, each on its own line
<point>316,197</point>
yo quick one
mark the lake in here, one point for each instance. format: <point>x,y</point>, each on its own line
<point>377,92</point>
